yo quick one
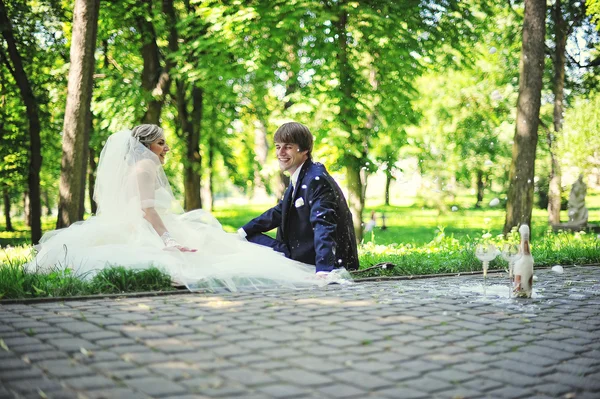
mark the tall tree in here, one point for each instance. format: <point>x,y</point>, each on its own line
<point>35,157</point>
<point>560,42</point>
<point>77,114</point>
<point>522,169</point>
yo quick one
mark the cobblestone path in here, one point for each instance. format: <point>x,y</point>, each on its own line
<point>434,338</point>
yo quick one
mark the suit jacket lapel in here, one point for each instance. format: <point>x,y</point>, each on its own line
<point>288,199</point>
<point>285,207</point>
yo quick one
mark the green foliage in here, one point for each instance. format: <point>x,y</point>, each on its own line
<point>579,145</point>
<point>593,10</point>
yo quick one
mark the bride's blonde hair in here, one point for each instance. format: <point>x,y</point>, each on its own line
<point>147,133</point>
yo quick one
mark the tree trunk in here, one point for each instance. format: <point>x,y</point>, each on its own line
<point>151,72</point>
<point>7,220</point>
<point>92,181</point>
<point>77,114</point>
<point>193,161</point>
<point>522,169</point>
<point>211,161</point>
<point>35,156</point>
<point>347,110</point>
<point>554,190</point>
<point>354,198</point>
<point>47,203</point>
<point>27,208</point>
<point>480,188</point>
<point>388,182</point>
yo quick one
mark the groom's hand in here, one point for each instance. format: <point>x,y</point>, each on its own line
<point>321,275</point>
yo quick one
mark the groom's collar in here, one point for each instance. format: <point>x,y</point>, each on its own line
<point>296,174</point>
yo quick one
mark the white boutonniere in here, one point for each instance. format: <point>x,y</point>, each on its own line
<point>299,202</point>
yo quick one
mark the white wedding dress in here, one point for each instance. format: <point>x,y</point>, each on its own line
<point>130,178</point>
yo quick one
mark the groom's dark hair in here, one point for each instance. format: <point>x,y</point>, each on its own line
<point>295,133</point>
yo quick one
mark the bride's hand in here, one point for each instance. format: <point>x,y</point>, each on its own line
<point>171,244</point>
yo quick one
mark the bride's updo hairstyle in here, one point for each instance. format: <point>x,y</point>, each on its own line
<point>147,134</point>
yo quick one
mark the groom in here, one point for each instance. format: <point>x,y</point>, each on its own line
<point>314,224</point>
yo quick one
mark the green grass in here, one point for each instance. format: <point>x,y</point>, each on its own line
<point>417,241</point>
<point>16,282</point>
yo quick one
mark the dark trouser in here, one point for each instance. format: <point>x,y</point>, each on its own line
<point>265,240</point>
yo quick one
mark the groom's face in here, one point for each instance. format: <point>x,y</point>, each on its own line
<point>290,157</point>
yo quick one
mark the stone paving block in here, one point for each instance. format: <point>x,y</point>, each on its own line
<point>72,344</point>
<point>78,327</point>
<point>248,376</point>
<point>230,350</point>
<point>302,377</point>
<point>112,365</point>
<point>520,367</point>
<point>372,366</point>
<point>12,363</point>
<point>555,390</point>
<point>34,348</point>
<point>283,390</point>
<point>175,370</point>
<point>510,378</point>
<point>156,386</point>
<point>47,355</point>
<point>511,391</point>
<point>270,365</point>
<point>421,366</point>
<point>482,384</point>
<point>115,393</point>
<point>558,355</point>
<point>20,374</point>
<point>360,380</point>
<point>89,382</point>
<point>64,368</point>
<point>461,392</point>
<point>314,363</point>
<point>34,386</point>
<point>127,374</point>
<point>342,391</point>
<point>226,390</point>
<point>99,335</point>
<point>399,375</point>
<point>19,340</point>
<point>145,357</point>
<point>521,356</point>
<point>403,392</point>
<point>428,384</point>
<point>575,381</point>
<point>451,375</point>
<point>129,349</point>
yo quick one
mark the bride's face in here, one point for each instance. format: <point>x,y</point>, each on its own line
<point>160,148</point>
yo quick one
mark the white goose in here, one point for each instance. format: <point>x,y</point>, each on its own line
<point>524,266</point>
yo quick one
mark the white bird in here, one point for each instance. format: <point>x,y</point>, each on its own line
<point>524,266</point>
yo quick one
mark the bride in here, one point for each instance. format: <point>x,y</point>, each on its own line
<point>139,224</point>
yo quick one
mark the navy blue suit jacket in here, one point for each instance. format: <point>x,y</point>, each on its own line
<point>315,224</point>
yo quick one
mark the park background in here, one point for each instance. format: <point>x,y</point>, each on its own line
<point>455,119</point>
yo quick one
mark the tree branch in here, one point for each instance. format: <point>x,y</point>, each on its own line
<point>6,62</point>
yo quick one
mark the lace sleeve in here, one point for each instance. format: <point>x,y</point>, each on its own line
<point>146,178</point>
